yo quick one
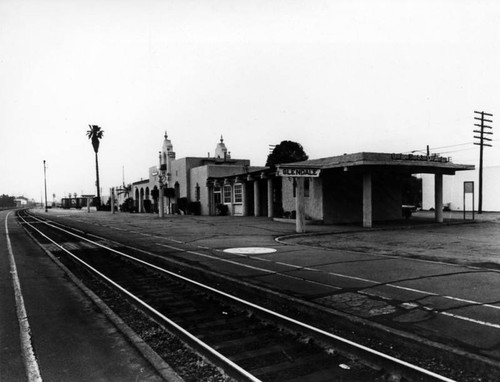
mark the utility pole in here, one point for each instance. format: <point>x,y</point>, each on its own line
<point>482,132</point>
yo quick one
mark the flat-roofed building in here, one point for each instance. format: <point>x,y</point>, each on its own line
<point>349,188</point>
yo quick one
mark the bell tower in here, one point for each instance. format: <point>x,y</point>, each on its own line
<point>167,156</point>
<point>221,150</point>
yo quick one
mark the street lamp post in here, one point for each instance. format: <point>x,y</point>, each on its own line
<point>161,181</point>
<point>45,183</point>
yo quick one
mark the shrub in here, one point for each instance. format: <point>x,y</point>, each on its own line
<point>222,210</point>
<point>194,208</point>
<point>128,205</point>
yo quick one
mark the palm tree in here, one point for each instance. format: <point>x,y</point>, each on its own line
<point>95,134</point>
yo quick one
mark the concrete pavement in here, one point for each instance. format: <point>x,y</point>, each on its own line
<point>435,281</point>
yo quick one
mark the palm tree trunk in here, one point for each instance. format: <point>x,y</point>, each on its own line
<point>97,181</point>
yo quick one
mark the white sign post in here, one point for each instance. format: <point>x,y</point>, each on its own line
<point>89,200</point>
<point>299,174</point>
<point>469,189</point>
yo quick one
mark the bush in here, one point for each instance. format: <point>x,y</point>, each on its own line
<point>128,205</point>
<point>222,210</point>
<point>194,208</point>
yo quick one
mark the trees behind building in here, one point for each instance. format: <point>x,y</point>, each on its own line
<point>286,152</point>
<point>7,201</point>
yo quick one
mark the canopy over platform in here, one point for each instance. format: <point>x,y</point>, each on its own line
<point>411,163</point>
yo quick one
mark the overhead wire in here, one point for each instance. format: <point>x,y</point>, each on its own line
<point>448,146</point>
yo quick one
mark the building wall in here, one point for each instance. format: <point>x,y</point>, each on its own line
<point>453,190</point>
<point>387,196</point>
<point>313,202</point>
<point>491,188</point>
<point>182,168</point>
<point>179,174</point>
<point>314,205</point>
<point>343,197</point>
<point>199,175</point>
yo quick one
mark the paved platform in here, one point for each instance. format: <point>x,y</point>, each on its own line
<point>71,340</point>
<point>437,281</point>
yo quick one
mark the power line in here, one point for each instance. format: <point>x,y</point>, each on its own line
<point>483,136</point>
<point>457,145</point>
<point>439,148</point>
<point>456,151</point>
<point>448,146</point>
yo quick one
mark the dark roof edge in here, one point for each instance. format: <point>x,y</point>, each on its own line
<point>380,159</point>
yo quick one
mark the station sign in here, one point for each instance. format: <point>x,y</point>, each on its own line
<point>427,158</point>
<point>468,187</point>
<point>298,172</point>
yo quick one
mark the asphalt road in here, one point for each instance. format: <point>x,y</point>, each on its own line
<point>439,282</point>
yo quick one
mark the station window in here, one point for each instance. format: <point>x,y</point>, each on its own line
<point>227,194</point>
<point>238,193</point>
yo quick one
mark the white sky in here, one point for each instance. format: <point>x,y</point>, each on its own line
<point>335,76</point>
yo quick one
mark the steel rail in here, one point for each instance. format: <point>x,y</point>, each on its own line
<point>230,367</point>
<point>394,364</point>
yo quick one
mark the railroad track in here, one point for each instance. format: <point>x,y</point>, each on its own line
<point>248,342</point>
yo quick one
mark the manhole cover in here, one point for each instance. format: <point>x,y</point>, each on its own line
<point>249,250</point>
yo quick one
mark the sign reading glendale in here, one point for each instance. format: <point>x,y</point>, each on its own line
<point>299,172</point>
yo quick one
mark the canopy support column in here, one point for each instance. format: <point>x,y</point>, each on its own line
<point>367,200</point>
<point>438,197</point>
<point>300,219</point>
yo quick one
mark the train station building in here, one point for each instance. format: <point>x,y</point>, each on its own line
<point>351,188</point>
<point>184,181</point>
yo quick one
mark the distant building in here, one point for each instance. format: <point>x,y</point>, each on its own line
<point>186,178</point>
<point>351,188</point>
<point>453,190</point>
<point>21,201</point>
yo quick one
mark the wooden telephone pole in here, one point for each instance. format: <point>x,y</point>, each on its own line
<point>482,132</point>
